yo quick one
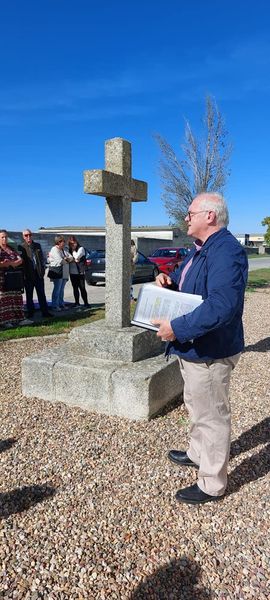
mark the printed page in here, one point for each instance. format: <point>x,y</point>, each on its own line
<point>155,302</point>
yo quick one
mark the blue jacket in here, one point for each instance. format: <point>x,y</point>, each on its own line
<point>219,274</point>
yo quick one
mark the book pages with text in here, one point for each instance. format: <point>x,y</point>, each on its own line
<point>155,302</point>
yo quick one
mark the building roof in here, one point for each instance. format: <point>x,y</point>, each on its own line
<point>102,227</point>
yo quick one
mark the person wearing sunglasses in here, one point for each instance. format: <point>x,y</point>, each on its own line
<point>34,270</point>
<point>208,342</point>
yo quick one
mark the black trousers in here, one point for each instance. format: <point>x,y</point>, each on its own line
<point>30,284</point>
<point>78,284</point>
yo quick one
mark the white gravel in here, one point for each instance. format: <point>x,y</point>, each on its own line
<point>87,501</point>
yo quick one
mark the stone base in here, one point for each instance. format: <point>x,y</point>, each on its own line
<point>135,390</point>
<point>128,344</point>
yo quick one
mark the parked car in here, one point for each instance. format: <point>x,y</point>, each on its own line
<point>168,259</point>
<point>145,269</point>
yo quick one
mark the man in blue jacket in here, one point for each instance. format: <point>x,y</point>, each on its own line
<point>208,342</point>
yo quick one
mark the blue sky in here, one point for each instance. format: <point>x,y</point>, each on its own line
<point>74,74</point>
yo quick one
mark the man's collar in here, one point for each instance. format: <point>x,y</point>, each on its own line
<point>214,235</point>
<point>198,245</point>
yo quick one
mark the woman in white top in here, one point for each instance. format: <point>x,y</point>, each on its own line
<point>77,270</point>
<point>58,257</point>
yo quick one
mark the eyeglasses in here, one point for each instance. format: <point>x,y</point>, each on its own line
<point>27,235</point>
<point>190,213</point>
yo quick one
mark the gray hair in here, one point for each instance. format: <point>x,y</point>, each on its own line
<point>216,202</point>
<point>58,239</point>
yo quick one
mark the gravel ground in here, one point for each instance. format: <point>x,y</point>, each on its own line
<point>87,501</point>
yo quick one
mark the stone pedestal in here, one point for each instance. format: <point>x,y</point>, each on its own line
<point>109,367</point>
<point>105,370</point>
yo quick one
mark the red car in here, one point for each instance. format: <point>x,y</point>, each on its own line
<point>168,259</point>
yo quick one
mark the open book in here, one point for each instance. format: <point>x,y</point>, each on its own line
<point>156,302</point>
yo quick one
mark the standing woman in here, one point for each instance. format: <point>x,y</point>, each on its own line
<point>11,303</point>
<point>77,270</point>
<point>133,260</point>
<point>59,257</point>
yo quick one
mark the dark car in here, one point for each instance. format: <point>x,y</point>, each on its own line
<point>145,269</point>
<point>168,259</point>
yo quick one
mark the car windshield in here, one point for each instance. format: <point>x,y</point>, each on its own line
<point>165,252</point>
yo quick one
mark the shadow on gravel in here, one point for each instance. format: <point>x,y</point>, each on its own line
<point>23,498</point>
<point>260,346</point>
<point>169,407</point>
<point>251,468</point>
<point>7,444</point>
<point>258,434</point>
<point>177,580</point>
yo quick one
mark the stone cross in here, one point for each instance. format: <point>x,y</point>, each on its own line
<point>117,185</point>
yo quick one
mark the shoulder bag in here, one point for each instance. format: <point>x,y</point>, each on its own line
<point>55,272</point>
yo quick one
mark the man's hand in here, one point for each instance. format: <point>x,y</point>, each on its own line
<point>165,331</point>
<point>162,280</point>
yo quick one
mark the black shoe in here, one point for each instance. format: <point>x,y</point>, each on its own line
<point>194,495</point>
<point>181,458</point>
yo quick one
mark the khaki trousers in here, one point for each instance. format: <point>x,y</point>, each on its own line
<point>206,397</point>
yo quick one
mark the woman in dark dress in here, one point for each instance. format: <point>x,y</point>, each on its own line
<point>11,303</point>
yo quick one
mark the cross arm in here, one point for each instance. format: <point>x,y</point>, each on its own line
<point>112,185</point>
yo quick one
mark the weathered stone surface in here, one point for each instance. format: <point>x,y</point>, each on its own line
<point>117,185</point>
<point>37,373</point>
<point>142,389</point>
<point>128,344</point>
<point>132,390</point>
<point>118,156</point>
<point>111,185</point>
<point>118,264</point>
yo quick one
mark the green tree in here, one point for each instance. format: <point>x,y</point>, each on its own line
<point>266,221</point>
<point>202,166</point>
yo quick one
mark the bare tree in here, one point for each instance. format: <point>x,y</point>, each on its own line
<point>202,168</point>
<point>266,221</point>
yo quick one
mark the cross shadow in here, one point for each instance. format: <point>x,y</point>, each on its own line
<point>258,434</point>
<point>23,498</point>
<point>260,346</point>
<point>7,444</point>
<point>251,468</point>
<point>176,580</point>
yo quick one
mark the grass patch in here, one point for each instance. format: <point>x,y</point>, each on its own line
<point>258,279</point>
<point>257,256</point>
<point>183,421</point>
<point>61,324</point>
<point>58,324</point>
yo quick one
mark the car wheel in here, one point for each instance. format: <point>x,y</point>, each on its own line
<point>155,272</point>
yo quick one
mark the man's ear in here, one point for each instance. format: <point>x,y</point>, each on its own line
<point>212,217</point>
